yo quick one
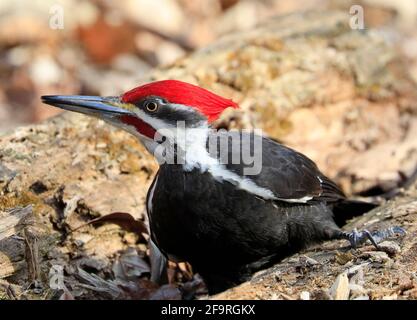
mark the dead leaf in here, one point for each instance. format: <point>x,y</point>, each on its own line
<point>130,266</point>
<point>95,283</point>
<point>166,292</point>
<point>122,219</point>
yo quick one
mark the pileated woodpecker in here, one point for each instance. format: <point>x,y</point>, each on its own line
<point>207,211</point>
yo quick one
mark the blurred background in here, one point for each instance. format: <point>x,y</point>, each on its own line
<point>104,47</point>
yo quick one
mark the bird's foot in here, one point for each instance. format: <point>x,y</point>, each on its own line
<point>357,238</point>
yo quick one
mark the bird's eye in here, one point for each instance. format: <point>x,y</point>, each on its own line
<point>151,106</point>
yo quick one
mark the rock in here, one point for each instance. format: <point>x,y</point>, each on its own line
<point>345,257</point>
<point>321,295</point>
<point>405,282</point>
<point>406,10</point>
<point>171,19</point>
<point>357,290</point>
<point>357,278</point>
<point>6,174</point>
<point>412,294</point>
<point>45,71</point>
<point>305,295</point>
<point>307,262</point>
<point>390,247</point>
<point>340,289</point>
<point>376,256</point>
<point>390,297</point>
<point>241,16</point>
<point>168,52</point>
<point>80,239</point>
<point>357,271</point>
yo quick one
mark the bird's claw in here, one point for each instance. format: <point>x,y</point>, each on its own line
<point>357,238</point>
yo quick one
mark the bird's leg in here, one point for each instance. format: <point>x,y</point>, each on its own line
<point>357,238</point>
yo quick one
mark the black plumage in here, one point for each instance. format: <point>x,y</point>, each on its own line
<point>227,233</point>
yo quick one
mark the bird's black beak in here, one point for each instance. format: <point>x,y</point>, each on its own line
<point>101,107</point>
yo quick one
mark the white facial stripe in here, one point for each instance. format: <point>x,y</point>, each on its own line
<point>156,123</point>
<point>196,154</point>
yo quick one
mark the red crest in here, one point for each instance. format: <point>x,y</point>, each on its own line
<point>178,92</point>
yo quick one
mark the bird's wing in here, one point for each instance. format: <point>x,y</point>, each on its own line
<point>288,174</point>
